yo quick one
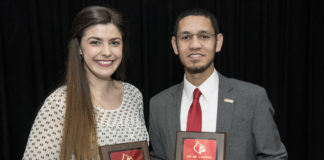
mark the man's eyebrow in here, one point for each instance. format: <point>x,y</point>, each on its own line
<point>203,31</point>
<point>185,32</point>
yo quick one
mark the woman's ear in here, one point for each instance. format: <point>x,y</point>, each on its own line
<point>80,51</point>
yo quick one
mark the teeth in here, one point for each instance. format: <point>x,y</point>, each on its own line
<point>105,62</point>
<point>195,55</point>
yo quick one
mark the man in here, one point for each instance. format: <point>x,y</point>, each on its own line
<point>240,109</point>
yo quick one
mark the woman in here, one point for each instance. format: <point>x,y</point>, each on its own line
<point>94,107</point>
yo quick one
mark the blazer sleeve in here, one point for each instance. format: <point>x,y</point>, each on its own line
<point>268,145</point>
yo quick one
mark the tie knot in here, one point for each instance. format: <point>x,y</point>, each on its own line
<point>196,93</point>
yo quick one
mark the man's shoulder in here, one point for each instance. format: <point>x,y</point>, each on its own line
<point>242,86</point>
<point>167,93</point>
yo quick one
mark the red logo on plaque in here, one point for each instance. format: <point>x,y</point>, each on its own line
<point>135,154</point>
<point>127,157</point>
<point>199,149</point>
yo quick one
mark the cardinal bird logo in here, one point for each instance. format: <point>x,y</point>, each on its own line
<point>199,148</point>
<point>127,157</point>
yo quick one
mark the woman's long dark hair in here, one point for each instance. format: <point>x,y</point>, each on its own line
<point>79,133</point>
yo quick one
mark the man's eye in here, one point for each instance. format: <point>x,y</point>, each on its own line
<point>204,37</point>
<point>185,37</point>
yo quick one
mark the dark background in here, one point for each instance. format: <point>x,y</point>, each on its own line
<point>277,44</point>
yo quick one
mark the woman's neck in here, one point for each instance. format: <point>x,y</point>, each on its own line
<point>106,94</point>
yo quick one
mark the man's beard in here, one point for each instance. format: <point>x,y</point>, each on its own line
<point>196,69</point>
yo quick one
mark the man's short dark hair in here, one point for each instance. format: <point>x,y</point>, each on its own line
<point>196,12</point>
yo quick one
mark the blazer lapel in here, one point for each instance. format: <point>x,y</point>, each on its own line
<point>173,110</point>
<point>226,100</point>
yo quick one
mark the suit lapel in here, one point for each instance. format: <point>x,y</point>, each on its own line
<point>173,110</point>
<point>224,113</point>
<point>226,100</point>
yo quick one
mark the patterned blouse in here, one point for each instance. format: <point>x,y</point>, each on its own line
<point>121,125</point>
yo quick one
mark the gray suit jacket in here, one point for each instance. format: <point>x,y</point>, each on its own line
<point>251,131</point>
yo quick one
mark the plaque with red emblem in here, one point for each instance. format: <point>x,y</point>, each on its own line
<point>125,151</point>
<point>200,146</point>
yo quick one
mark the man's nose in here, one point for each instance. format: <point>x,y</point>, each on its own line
<point>195,42</point>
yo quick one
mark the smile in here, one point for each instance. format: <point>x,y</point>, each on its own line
<point>105,62</point>
<point>195,55</point>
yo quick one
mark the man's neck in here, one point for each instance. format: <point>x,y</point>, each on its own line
<point>198,78</point>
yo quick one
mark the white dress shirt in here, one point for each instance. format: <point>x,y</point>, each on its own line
<point>208,102</point>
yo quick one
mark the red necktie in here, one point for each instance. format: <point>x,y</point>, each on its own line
<point>194,114</point>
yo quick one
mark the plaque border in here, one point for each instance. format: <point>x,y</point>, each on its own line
<point>142,145</point>
<point>219,136</point>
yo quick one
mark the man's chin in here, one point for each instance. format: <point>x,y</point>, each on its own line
<point>195,70</point>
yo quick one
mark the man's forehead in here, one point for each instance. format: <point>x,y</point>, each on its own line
<point>195,24</point>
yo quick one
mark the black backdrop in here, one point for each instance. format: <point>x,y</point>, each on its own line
<point>277,44</point>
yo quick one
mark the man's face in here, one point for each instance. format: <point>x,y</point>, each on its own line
<point>196,44</point>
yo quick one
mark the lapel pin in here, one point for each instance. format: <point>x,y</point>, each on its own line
<point>228,100</point>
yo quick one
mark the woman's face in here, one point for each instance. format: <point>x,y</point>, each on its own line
<point>101,48</point>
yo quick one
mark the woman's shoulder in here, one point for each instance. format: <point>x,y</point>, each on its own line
<point>131,91</point>
<point>58,92</point>
<point>58,95</point>
<point>54,105</point>
<point>130,87</point>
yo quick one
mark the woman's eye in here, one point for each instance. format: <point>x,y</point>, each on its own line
<point>115,43</point>
<point>95,43</point>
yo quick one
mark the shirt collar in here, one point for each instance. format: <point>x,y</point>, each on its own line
<point>207,88</point>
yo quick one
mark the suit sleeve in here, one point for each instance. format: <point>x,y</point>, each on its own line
<point>268,145</point>
<point>157,152</point>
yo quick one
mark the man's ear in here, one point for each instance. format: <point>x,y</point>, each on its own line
<point>174,45</point>
<point>219,42</point>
